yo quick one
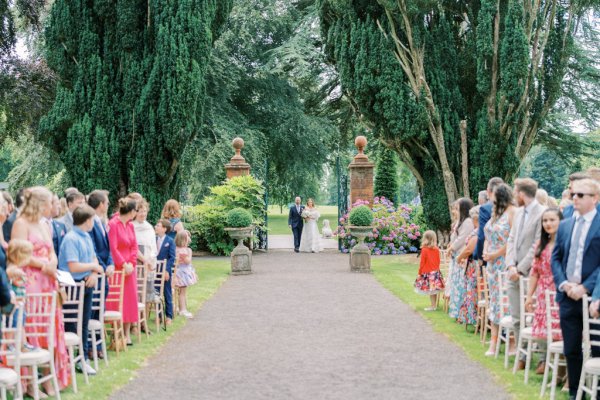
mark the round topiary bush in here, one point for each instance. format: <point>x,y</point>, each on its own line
<point>361,216</point>
<point>239,218</point>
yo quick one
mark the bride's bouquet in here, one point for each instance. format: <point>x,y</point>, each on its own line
<point>305,214</point>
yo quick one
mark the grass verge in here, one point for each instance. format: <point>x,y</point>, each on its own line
<point>121,369</point>
<point>398,273</point>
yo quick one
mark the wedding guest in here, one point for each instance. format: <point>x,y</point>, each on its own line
<point>482,197</point>
<point>6,210</point>
<point>57,228</point>
<point>541,279</point>
<point>77,256</point>
<point>485,211</point>
<point>468,310</point>
<point>41,274</point>
<point>429,280</point>
<point>186,274</point>
<point>123,248</point>
<point>519,250</point>
<point>569,209</point>
<point>542,197</point>
<point>8,224</point>
<point>497,231</point>
<point>74,200</point>
<point>461,229</point>
<point>172,212</point>
<point>166,251</point>
<point>3,215</point>
<point>575,266</point>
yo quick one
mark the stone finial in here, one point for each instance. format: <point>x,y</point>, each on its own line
<point>361,142</point>
<point>238,145</point>
<point>237,166</point>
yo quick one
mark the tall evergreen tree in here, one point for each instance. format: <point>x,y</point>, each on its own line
<point>131,91</point>
<point>386,175</point>
<point>461,90</point>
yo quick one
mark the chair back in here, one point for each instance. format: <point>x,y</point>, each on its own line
<point>12,335</point>
<point>72,308</point>
<point>41,317</point>
<point>159,277</point>
<point>591,329</point>
<point>503,289</point>
<point>98,297</point>
<point>526,318</point>
<point>116,283</point>
<point>142,287</point>
<point>552,317</point>
<point>482,289</point>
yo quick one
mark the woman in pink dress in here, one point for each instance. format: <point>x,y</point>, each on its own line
<point>541,278</point>
<point>41,274</point>
<point>124,250</point>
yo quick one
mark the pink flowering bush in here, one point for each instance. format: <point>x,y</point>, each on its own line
<point>394,231</point>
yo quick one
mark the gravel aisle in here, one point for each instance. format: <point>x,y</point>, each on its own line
<point>303,327</point>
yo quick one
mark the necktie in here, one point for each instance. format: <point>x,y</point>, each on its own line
<point>521,225</point>
<point>574,248</point>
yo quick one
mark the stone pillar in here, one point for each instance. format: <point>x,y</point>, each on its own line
<point>237,166</point>
<point>361,174</point>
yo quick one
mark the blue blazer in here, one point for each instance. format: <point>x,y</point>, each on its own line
<point>101,245</point>
<point>485,213</point>
<point>569,210</point>
<point>58,234</point>
<point>167,252</point>
<point>591,256</point>
<point>295,217</point>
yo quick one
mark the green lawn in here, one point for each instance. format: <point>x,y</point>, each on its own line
<point>397,274</point>
<point>211,274</point>
<point>278,221</point>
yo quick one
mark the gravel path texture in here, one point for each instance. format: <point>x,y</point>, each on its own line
<point>303,327</point>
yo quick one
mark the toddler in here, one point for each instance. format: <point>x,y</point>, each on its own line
<point>430,281</point>
<point>327,233</point>
<point>186,276</point>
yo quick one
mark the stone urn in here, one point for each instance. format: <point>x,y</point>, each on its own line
<point>241,256</point>
<point>360,255</point>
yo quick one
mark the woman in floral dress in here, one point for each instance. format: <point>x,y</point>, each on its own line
<point>497,231</point>
<point>468,310</point>
<point>462,229</point>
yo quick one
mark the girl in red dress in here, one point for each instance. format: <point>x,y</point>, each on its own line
<point>430,281</point>
<point>124,250</point>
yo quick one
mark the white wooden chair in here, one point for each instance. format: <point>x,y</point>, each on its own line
<point>506,326</point>
<point>113,319</point>
<point>591,365</point>
<point>41,311</point>
<point>73,313</point>
<point>554,349</point>
<point>12,339</point>
<point>96,326</point>
<point>142,290</point>
<point>159,285</point>
<point>482,324</point>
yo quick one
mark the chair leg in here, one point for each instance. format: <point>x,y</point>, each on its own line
<point>581,384</point>
<point>94,349</point>
<point>498,341</point>
<point>516,363</point>
<point>83,364</point>
<point>546,370</point>
<point>554,376</point>
<point>116,337</point>
<point>594,386</point>
<point>34,382</point>
<point>528,359</point>
<point>71,351</point>
<point>103,344</point>
<point>55,379</point>
<point>507,348</point>
<point>157,318</point>
<point>3,389</point>
<point>147,329</point>
<point>139,330</point>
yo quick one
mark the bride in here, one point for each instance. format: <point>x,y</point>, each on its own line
<point>310,240</point>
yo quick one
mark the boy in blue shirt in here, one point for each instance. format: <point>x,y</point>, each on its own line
<point>77,256</point>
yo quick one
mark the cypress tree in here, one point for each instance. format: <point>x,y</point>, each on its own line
<point>460,90</point>
<point>386,175</point>
<point>132,89</point>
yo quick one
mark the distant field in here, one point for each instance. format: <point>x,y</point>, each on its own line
<point>278,221</point>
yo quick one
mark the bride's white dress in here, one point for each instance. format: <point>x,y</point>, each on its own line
<point>310,241</point>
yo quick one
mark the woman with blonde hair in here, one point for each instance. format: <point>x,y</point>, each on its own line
<point>310,241</point>
<point>172,212</point>
<point>41,273</point>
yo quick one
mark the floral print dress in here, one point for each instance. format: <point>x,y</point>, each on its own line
<point>468,310</point>
<point>542,269</point>
<point>496,236</point>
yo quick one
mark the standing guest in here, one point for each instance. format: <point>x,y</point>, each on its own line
<point>186,276</point>
<point>575,266</point>
<point>468,310</point>
<point>6,211</point>
<point>569,209</point>
<point>19,254</point>
<point>57,228</point>
<point>497,231</point>
<point>542,197</point>
<point>296,222</point>
<point>3,215</point>
<point>63,208</point>
<point>482,197</point>
<point>41,273</point>
<point>541,279</point>
<point>74,200</point>
<point>485,212</point>
<point>166,251</point>
<point>8,224</point>
<point>147,251</point>
<point>430,280</point>
<point>77,257</point>
<point>124,249</point>
<point>172,212</point>
<point>460,231</point>
<point>520,248</point>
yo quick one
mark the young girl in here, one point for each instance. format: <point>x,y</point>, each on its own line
<point>430,280</point>
<point>186,276</point>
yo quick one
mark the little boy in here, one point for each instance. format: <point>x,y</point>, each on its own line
<point>166,251</point>
<point>77,256</point>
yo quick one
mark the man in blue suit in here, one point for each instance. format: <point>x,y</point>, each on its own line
<point>485,212</point>
<point>296,223</point>
<point>593,173</point>
<point>166,251</point>
<point>575,266</point>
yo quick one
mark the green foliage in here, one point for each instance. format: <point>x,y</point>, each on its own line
<point>386,175</point>
<point>361,216</point>
<point>550,170</point>
<point>207,220</point>
<point>238,218</point>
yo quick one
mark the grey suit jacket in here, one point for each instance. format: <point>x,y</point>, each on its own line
<point>67,219</point>
<point>520,247</point>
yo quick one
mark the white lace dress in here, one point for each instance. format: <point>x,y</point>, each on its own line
<point>311,241</point>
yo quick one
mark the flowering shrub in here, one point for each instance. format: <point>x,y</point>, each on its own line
<point>394,232</point>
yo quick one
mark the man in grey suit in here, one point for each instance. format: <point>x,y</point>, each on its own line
<point>74,200</point>
<point>524,234</point>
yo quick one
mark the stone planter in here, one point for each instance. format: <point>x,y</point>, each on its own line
<point>360,255</point>
<point>241,256</point>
